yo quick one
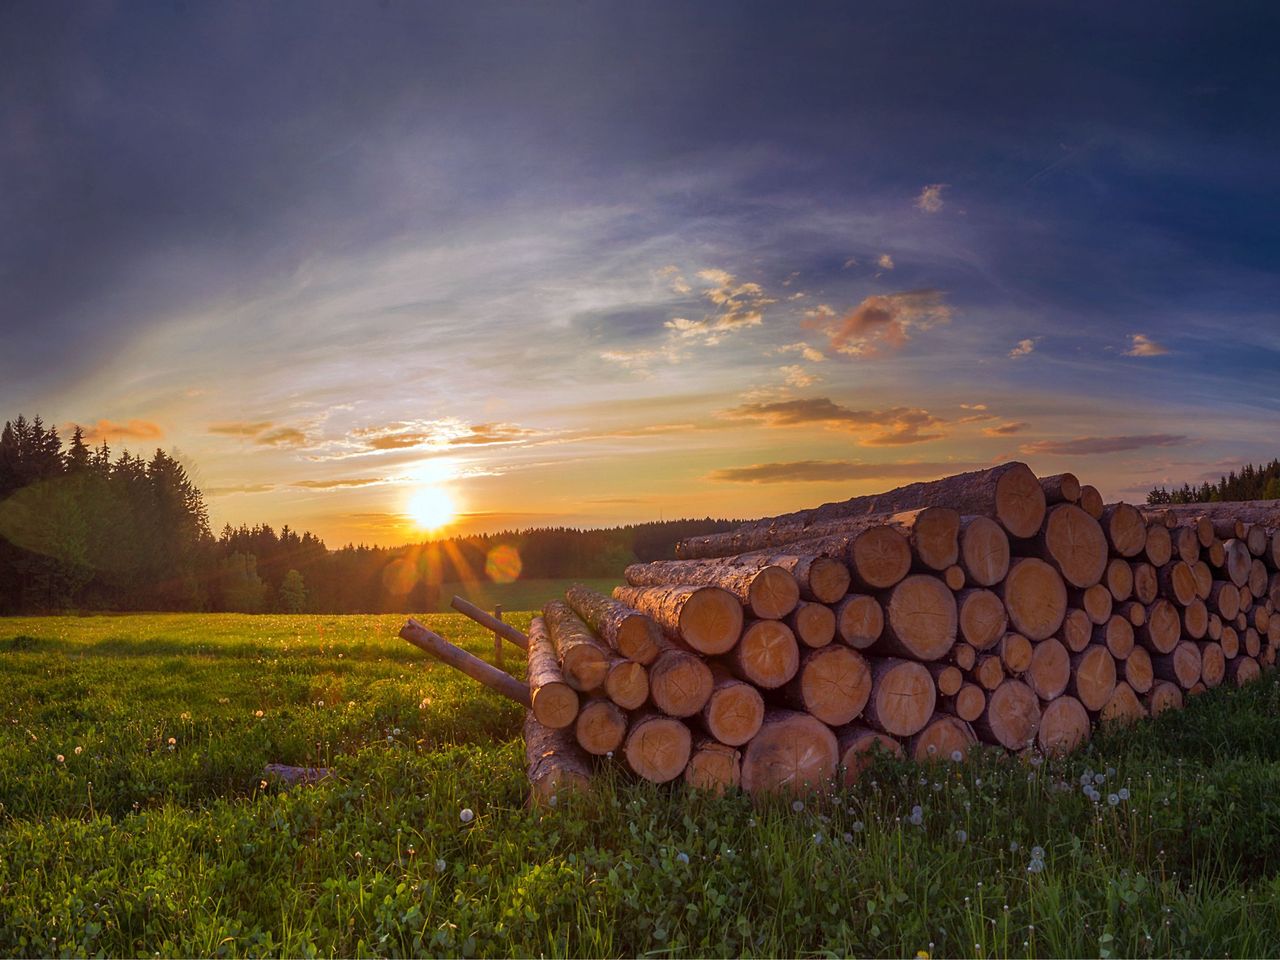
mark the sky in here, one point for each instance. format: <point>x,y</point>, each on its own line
<point>592,263</point>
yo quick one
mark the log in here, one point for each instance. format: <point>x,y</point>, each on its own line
<point>626,683</point>
<point>1227,528</point>
<point>1265,512</point>
<point>1159,547</point>
<point>555,762</point>
<point>1096,602</point>
<point>1224,599</point>
<point>947,677</point>
<point>1239,562</point>
<point>1146,583</point>
<point>1035,598</point>
<point>1123,709</point>
<point>1229,640</point>
<point>982,618</point>
<point>734,711</point>
<point>1136,670</point>
<point>878,558</point>
<point>769,592</point>
<point>1064,726</point>
<point>954,577</point>
<point>988,672</point>
<point>633,634</point>
<point>1256,538</point>
<point>584,660</point>
<point>1163,628</point>
<point>1204,579</point>
<point>1243,670</point>
<point>1252,643</point>
<point>967,704</point>
<point>714,767</point>
<point>1119,579</point>
<point>1195,619</point>
<point>1116,635</point>
<point>814,624</point>
<point>1016,653</point>
<point>554,702</point>
<point>821,579</point>
<point>1273,551</point>
<point>833,684</point>
<point>859,620</point>
<point>858,747</point>
<point>1125,529</point>
<point>1185,546</point>
<point>1077,630</point>
<point>1134,612</point>
<point>984,551</point>
<point>707,619</point>
<point>1213,664</point>
<point>1178,582</point>
<point>767,655</point>
<point>680,683</point>
<point>944,739</point>
<point>1197,688</point>
<point>1217,553</point>
<point>1182,666</point>
<point>1050,669</point>
<point>1072,543</point>
<point>1011,717</point>
<point>1163,696</point>
<point>792,753</point>
<point>490,622</point>
<point>1257,578</point>
<point>902,697</point>
<point>1060,488</point>
<point>964,656</point>
<point>920,619</point>
<point>1093,677</point>
<point>657,747</point>
<point>1091,501</point>
<point>493,678</point>
<point>600,726</point>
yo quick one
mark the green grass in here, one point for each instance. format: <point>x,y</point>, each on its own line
<point>521,595</point>
<point>158,836</point>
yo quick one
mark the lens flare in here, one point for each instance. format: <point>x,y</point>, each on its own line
<point>503,564</point>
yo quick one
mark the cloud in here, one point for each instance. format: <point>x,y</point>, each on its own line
<point>283,437</point>
<point>338,484</point>
<point>449,432</point>
<point>820,471</point>
<point>129,430</point>
<point>739,305</point>
<point>797,376</point>
<point>809,353</point>
<point>1005,429</point>
<point>1087,445</point>
<point>885,262</point>
<point>930,198</point>
<point>240,428</point>
<point>671,275</point>
<point>239,488</point>
<point>1144,346</point>
<point>880,321</point>
<point>892,427</point>
<point>1024,348</point>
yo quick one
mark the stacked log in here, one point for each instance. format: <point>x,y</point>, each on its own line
<point>991,607</point>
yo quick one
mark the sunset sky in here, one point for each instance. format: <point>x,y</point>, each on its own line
<point>591,263</point>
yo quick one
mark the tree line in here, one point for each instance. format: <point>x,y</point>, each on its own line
<point>1260,482</point>
<point>83,530</point>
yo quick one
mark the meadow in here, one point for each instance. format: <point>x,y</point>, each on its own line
<point>134,819</point>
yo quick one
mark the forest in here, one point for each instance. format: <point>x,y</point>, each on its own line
<point>81,530</point>
<point>1251,483</point>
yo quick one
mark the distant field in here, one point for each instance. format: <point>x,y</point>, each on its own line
<point>521,595</point>
<point>133,820</point>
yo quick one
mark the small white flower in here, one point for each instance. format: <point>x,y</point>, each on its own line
<point>1099,778</point>
<point>1035,866</point>
<point>817,838</point>
<point>848,838</point>
<point>466,815</point>
<point>61,758</point>
<point>396,731</point>
<point>751,822</point>
<point>1013,846</point>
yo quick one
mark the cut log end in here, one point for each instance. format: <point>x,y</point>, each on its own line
<point>711,620</point>
<point>680,683</point>
<point>921,619</point>
<point>773,593</point>
<point>944,739</point>
<point>902,699</point>
<point>792,753</point>
<point>833,684</point>
<point>1035,597</point>
<point>734,712</point>
<point>767,655</point>
<point>1011,717</point>
<point>879,558</point>
<point>1123,708</point>
<point>858,748</point>
<point>984,550</point>
<point>600,727</point>
<point>859,620</point>
<point>657,748</point>
<point>714,767</point>
<point>1019,501</point>
<point>1064,726</point>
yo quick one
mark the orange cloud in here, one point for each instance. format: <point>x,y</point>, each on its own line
<point>820,471</point>
<point>880,322</point>
<point>892,427</point>
<point>284,437</point>
<point>130,430</point>
<point>1005,429</point>
<point>1144,346</point>
<point>338,484</point>
<point>240,428</point>
<point>930,198</point>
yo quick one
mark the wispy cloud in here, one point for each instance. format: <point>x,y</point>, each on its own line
<point>282,437</point>
<point>1005,429</point>
<point>1024,348</point>
<point>1088,445</point>
<point>339,484</point>
<point>930,198</point>
<point>738,305</point>
<point>892,427</point>
<point>797,376</point>
<point>819,471</point>
<point>879,322</point>
<point>129,430</point>
<point>884,262</point>
<point>408,434</point>
<point>809,353</point>
<point>1143,346</point>
<point>240,428</point>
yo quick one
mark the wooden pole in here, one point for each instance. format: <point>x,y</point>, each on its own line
<point>459,659</point>
<point>497,637</point>
<point>505,630</point>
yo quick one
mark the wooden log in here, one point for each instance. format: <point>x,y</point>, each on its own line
<point>1072,543</point>
<point>920,619</point>
<point>1227,528</point>
<point>792,753</point>
<point>954,577</point>
<point>1064,726</point>
<point>1035,598</point>
<point>1093,677</point>
<point>1182,666</point>
<point>1123,708</point>
<point>1050,669</point>
<point>1178,582</point>
<point>1195,619</point>
<point>1015,653</point>
<point>1265,512</point>
<point>584,660</point>
<point>1159,546</point>
<point>1217,553</point>
<point>734,711</point>
<point>1252,643</point>
<point>707,619</point>
<point>858,747</point>
<point>1204,579</point>
<point>1224,599</point>
<point>859,620</point>
<point>1257,578</point>
<point>1238,561</point>
<point>982,618</point>
<point>554,702</point>
<point>767,655</point>
<point>984,551</point>
<point>821,579</point>
<point>1163,696</point>
<point>1185,546</point>
<point>964,656</point>
<point>1091,501</point>
<point>1229,640</point>
<point>1243,670</point>
<point>902,697</point>
<point>1163,628</point>
<point>600,727</point>
<point>947,677</point>
<point>714,767</point>
<point>657,747</point>
<point>1215,627</point>
<point>1133,611</point>
<point>814,624</point>
<point>1273,551</point>
<point>1273,589</point>
<point>1077,630</point>
<point>633,634</point>
<point>1096,602</point>
<point>1261,620</point>
<point>555,763</point>
<point>1118,578</point>
<point>1116,635</point>
<point>833,684</point>
<point>680,683</point>
<point>493,678</point>
<point>1125,529</point>
<point>1146,583</point>
<point>769,592</point>
<point>1256,538</point>
<point>490,622</point>
<point>626,683</point>
<point>1060,488</point>
<point>944,739</point>
<point>988,672</point>
<point>879,557</point>
<point>1136,670</point>
<point>1213,664</point>
<point>967,703</point>
<point>1011,717</point>
<point>1197,688</point>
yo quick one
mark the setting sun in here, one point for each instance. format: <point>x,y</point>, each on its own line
<point>431,508</point>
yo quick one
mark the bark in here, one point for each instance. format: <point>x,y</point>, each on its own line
<point>493,678</point>
<point>769,591</point>
<point>584,660</point>
<point>490,622</point>
<point>555,703</point>
<point>555,762</point>
<point>706,619</point>
<point>633,634</point>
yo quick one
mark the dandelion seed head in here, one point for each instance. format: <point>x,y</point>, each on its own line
<point>797,805</point>
<point>466,815</point>
<point>78,751</point>
<point>440,865</point>
<point>61,758</point>
<point>682,857</point>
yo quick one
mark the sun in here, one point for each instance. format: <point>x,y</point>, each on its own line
<point>431,508</point>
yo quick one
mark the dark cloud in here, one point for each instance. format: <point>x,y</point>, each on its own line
<point>804,471</point>
<point>1005,429</point>
<point>1087,445</point>
<point>879,428</point>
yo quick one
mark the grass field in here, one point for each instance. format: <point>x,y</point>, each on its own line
<point>521,595</point>
<point>133,820</point>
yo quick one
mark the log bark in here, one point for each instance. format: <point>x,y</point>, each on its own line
<point>792,753</point>
<point>984,551</point>
<point>920,619</point>
<point>1163,628</point>
<point>657,747</point>
<point>859,620</point>
<point>493,678</point>
<point>1077,630</point>
<point>767,655</point>
<point>967,704</point>
<point>769,592</point>
<point>1011,717</point>
<point>633,634</point>
<point>626,683</point>
<point>680,683</point>
<point>734,711</point>
<point>1123,708</point>
<point>1136,670</point>
<point>1163,696</point>
<point>1182,666</point>
<point>1064,726</point>
<point>1125,529</point>
<point>555,764</point>
<point>858,746</point>
<point>1116,635</point>
<point>1016,653</point>
<point>982,618</point>
<point>714,767</point>
<point>584,660</point>
<point>1119,579</point>
<point>706,619</point>
<point>490,622</point>
<point>814,624</point>
<point>1060,488</point>
<point>833,684</point>
<point>1072,543</point>
<point>1159,548</point>
<point>554,702</point>
<point>1091,501</point>
<point>600,726</point>
<point>902,697</point>
<point>1050,669</point>
<point>1093,677</point>
<point>1035,598</point>
<point>944,739</point>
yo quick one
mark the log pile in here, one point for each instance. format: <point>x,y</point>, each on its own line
<point>989,607</point>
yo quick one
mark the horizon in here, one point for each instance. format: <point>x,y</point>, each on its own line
<point>368,271</point>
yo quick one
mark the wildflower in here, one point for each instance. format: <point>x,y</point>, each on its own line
<point>917,815</point>
<point>1099,778</point>
<point>1123,793</point>
<point>922,955</point>
<point>61,758</point>
<point>957,756</point>
<point>79,750</point>
<point>682,857</point>
<point>848,838</point>
<point>440,865</point>
<point>412,851</point>
<point>319,703</point>
<point>359,855</point>
<point>1013,846</point>
<point>609,755</point>
<point>1113,799</point>
<point>1035,866</point>
<point>257,713</point>
<point>466,815</point>
<point>751,822</point>
<point>396,731</point>
<point>1037,853</point>
<point>172,741</point>
<point>817,838</point>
